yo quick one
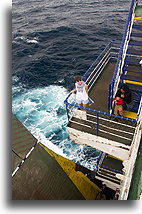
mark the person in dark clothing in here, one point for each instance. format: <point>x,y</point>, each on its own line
<point>125,93</point>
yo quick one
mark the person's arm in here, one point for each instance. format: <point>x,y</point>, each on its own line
<point>86,88</point>
<point>74,90</point>
<point>116,99</point>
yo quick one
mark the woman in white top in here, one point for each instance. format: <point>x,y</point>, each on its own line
<point>82,92</point>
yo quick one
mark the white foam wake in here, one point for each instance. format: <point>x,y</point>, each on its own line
<point>43,112</point>
<point>25,39</point>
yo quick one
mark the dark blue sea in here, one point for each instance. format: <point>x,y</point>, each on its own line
<point>52,41</point>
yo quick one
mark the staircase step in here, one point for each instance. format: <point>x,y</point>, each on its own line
<point>126,68</point>
<point>132,78</point>
<point>109,172</point>
<point>135,88</point>
<point>136,35</point>
<point>134,53</point>
<point>135,44</point>
<point>137,26</point>
<point>103,173</point>
<point>132,75</point>
<point>133,57</point>
<point>115,181</point>
<point>130,62</point>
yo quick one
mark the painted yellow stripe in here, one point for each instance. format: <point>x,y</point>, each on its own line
<point>133,82</point>
<point>130,114</point>
<point>88,189</point>
<point>138,18</point>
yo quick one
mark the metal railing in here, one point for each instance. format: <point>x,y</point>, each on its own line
<point>122,130</point>
<point>109,53</point>
<point>102,124</point>
<point>100,121</point>
<point>121,56</point>
<point>133,155</point>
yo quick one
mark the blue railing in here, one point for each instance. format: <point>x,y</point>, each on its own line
<point>96,111</point>
<point>94,70</point>
<point>98,59</point>
<point>97,117</point>
<point>121,56</point>
<point>101,123</point>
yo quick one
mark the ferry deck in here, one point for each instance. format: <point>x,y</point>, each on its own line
<point>117,137</point>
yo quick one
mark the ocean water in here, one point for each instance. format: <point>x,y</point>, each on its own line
<point>52,41</point>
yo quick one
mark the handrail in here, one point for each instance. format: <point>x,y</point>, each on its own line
<point>67,97</point>
<point>85,74</point>
<point>121,56</point>
<point>128,176</point>
<point>139,110</point>
<point>99,71</point>
<point>100,112</point>
<point>100,56</point>
<point>124,38</point>
<point>105,55</point>
<point>97,65</point>
<point>114,85</point>
<point>102,123</point>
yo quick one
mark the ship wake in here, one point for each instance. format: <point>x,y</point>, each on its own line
<point>43,113</point>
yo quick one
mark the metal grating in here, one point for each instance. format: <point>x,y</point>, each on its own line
<point>22,139</point>
<point>42,178</point>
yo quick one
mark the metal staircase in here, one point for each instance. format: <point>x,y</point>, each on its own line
<point>108,169</point>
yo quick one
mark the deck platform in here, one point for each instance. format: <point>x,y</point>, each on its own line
<point>99,93</point>
<point>116,136</point>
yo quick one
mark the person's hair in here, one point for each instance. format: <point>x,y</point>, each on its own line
<point>125,88</point>
<point>78,78</point>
